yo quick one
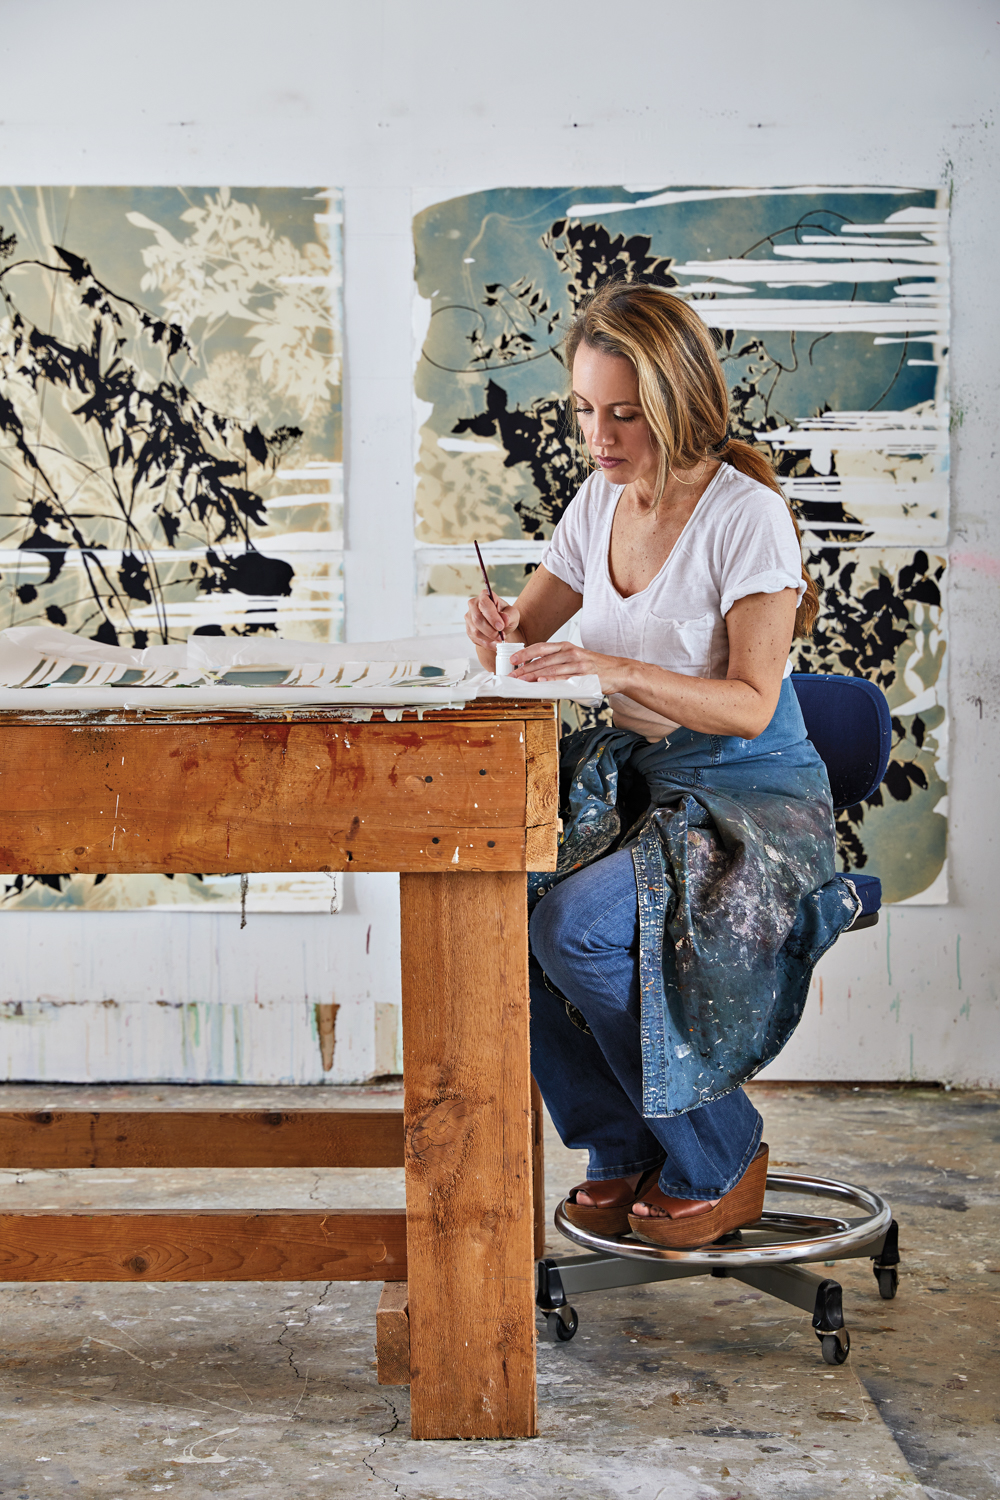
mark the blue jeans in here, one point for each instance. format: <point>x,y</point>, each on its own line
<point>585,936</point>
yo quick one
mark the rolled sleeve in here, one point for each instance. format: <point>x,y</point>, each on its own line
<point>771,582</point>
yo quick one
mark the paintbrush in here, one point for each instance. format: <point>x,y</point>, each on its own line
<point>486,580</point>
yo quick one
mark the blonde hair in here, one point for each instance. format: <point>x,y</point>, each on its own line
<point>682,389</point>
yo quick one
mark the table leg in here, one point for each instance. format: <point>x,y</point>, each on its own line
<point>468,1155</point>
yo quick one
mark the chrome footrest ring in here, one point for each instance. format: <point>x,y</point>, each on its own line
<point>766,1241</point>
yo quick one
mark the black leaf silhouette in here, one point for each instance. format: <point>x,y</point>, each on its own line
<point>131,434</point>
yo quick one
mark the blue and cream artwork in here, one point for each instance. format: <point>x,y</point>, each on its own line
<point>829,306</point>
<point>170,435</point>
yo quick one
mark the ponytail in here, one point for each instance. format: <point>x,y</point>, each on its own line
<point>756,465</point>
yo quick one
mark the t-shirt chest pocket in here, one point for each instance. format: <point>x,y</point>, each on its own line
<point>680,645</point>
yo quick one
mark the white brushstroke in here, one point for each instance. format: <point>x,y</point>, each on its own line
<point>918,305</point>
<point>707,195</point>
<point>112,556</point>
<point>921,704</point>
<point>893,432</point>
<point>835,249</point>
<point>813,271</point>
<point>499,553</point>
<point>857,238</point>
<point>319,543</point>
<point>888,514</point>
<point>778,314</point>
<point>421,323</point>
<point>318,470</point>
<point>912,220</point>
<point>464,445</point>
<point>285,502</point>
<point>315,603</point>
<point>715,286</point>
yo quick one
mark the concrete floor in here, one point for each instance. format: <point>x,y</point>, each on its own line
<point>675,1392</point>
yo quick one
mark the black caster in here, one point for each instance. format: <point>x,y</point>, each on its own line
<point>561,1324</point>
<point>835,1346</point>
<point>828,1323</point>
<point>886,1262</point>
<point>888,1281</point>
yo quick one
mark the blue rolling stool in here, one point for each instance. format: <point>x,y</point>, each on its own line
<point>848,721</point>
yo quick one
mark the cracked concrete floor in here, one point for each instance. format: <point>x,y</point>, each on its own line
<point>673,1392</point>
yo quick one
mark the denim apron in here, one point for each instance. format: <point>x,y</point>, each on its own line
<point>733,846</point>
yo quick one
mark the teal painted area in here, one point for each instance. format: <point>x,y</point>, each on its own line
<point>897,1006</point>
<point>484,240</point>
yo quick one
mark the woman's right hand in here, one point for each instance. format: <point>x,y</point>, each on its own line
<point>485,622</point>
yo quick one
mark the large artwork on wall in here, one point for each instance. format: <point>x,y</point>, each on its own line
<point>830,310</point>
<point>170,439</point>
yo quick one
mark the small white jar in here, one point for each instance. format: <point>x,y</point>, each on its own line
<point>505,650</point>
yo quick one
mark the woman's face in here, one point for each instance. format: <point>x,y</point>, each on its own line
<point>606,396</point>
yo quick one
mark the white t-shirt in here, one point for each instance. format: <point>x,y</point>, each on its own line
<point>740,540</point>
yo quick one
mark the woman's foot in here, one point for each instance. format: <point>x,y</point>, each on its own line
<point>604,1207</point>
<point>687,1223</point>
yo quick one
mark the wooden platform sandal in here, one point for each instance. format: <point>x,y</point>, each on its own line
<point>609,1213</point>
<point>688,1224</point>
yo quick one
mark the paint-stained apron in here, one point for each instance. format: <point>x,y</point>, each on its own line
<point>733,846</point>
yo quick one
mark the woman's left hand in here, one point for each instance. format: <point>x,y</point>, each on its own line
<point>554,660</point>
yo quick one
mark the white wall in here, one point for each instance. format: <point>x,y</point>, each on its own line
<point>443,96</point>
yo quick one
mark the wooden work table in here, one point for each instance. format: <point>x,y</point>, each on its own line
<point>462,803</point>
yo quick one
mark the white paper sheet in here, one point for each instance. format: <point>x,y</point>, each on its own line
<point>43,668</point>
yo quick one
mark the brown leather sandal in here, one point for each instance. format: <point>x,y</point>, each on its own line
<point>687,1224</point>
<point>609,1214</point>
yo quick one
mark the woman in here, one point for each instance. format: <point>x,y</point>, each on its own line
<point>668,966</point>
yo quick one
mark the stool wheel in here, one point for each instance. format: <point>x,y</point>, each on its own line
<point>835,1346</point>
<point>888,1280</point>
<point>561,1324</point>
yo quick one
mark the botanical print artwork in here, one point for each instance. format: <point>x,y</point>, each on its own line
<point>170,412</point>
<point>829,307</point>
<point>170,418</point>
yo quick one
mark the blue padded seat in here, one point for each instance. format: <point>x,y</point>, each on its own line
<point>869,889</point>
<point>848,721</point>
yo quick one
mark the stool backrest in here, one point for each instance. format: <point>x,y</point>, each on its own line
<point>848,721</point>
